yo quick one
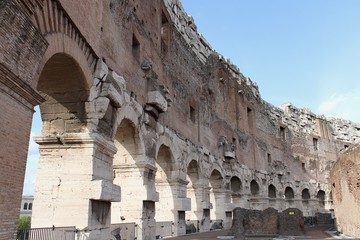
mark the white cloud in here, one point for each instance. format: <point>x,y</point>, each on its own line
<point>33,146</point>
<point>342,105</point>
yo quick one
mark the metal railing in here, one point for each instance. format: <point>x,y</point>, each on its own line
<point>53,233</point>
<point>164,229</point>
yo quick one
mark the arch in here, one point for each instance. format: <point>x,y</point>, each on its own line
<point>305,194</point>
<point>235,184</point>
<point>26,206</point>
<point>254,188</point>
<point>271,191</point>
<point>164,164</point>
<point>63,85</point>
<point>128,143</point>
<point>193,190</point>
<point>216,200</point>
<point>165,143</point>
<point>30,206</point>
<point>193,172</point>
<point>62,44</point>
<point>216,179</point>
<point>164,168</point>
<point>127,174</point>
<point>320,195</point>
<point>289,193</point>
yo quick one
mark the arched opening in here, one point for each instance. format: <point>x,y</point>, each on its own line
<point>235,184</point>
<point>30,206</point>
<point>128,175</point>
<point>254,188</point>
<point>165,205</point>
<point>62,84</point>
<point>271,191</point>
<point>236,187</point>
<point>321,197</point>
<point>305,194</point>
<point>289,193</point>
<point>26,206</point>
<point>194,191</point>
<point>64,87</point>
<point>216,183</point>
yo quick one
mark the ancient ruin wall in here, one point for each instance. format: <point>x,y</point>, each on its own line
<point>154,110</point>
<point>345,186</point>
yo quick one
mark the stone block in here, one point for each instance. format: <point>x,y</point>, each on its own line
<point>182,204</point>
<point>156,99</point>
<point>105,191</point>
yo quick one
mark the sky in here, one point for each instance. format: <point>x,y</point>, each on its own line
<point>306,52</point>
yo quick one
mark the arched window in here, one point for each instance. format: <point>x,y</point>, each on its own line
<point>272,191</point>
<point>30,206</point>
<point>25,206</point>
<point>254,187</point>
<point>289,193</point>
<point>235,184</point>
<point>305,194</point>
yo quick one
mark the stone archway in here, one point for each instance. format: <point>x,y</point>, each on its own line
<point>194,191</point>
<point>236,188</point>
<point>254,188</point>
<point>129,174</point>
<point>272,191</point>
<point>216,184</point>
<point>68,175</point>
<point>63,86</point>
<point>164,165</point>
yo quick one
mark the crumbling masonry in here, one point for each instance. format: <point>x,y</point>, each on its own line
<point>132,97</point>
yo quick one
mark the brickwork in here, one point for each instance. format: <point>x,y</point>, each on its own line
<point>14,137</point>
<point>135,98</point>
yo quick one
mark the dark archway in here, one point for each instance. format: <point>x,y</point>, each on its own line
<point>271,191</point>
<point>289,193</point>
<point>305,194</point>
<point>254,188</point>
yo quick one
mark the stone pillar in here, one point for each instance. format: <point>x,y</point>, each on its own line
<point>74,184</point>
<point>223,207</point>
<point>137,182</point>
<point>181,204</point>
<point>21,49</point>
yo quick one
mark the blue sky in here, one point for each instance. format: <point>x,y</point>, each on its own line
<point>306,52</point>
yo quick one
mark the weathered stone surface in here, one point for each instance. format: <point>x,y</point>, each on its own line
<point>193,138</point>
<point>291,222</point>
<point>255,222</point>
<point>345,189</point>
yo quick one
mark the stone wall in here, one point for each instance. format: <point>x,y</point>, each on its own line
<point>345,185</point>
<point>248,222</point>
<point>134,98</point>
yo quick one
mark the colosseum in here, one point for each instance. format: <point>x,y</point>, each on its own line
<point>144,123</point>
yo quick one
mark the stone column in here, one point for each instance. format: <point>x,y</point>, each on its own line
<point>223,207</point>
<point>181,204</point>
<point>137,182</point>
<point>74,184</point>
